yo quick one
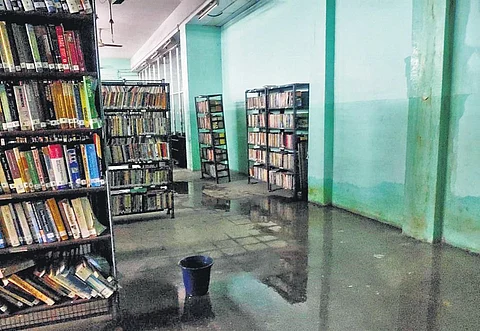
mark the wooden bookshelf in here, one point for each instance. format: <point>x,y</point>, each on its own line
<point>101,245</point>
<point>277,130</point>
<point>142,124</point>
<point>212,137</point>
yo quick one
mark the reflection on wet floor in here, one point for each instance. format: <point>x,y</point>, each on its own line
<point>284,265</point>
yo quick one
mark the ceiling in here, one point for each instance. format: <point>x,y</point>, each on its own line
<point>135,22</point>
<point>224,12</point>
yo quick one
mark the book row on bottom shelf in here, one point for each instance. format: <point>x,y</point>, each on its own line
<point>214,154</point>
<point>48,221</point>
<point>137,124</point>
<point>53,6</point>
<point>126,202</point>
<point>40,48</point>
<point>276,177</point>
<point>209,169</point>
<point>149,175</point>
<point>50,167</point>
<point>46,104</point>
<point>139,148</point>
<point>54,278</point>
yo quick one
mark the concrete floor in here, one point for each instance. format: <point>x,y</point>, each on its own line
<point>282,265</point>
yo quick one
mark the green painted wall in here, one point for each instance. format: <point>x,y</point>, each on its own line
<point>115,69</point>
<point>462,207</point>
<point>204,76</point>
<point>278,43</point>
<point>371,107</point>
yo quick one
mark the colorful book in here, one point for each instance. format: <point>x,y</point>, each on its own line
<point>58,165</point>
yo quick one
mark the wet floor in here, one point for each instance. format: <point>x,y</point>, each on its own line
<point>283,265</point>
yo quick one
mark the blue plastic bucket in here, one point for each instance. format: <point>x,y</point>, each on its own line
<point>196,274</point>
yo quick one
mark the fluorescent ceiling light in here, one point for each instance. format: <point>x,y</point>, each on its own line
<point>208,8</point>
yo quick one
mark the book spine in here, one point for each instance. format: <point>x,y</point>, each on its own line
<point>92,163</point>
<point>50,5</point>
<point>24,172</point>
<point>94,121</point>
<point>3,243</point>
<point>44,219</point>
<point>8,5</point>
<point>73,165</point>
<point>72,6</point>
<point>32,222</point>
<point>40,169</point>
<point>58,6</point>
<point>23,112</point>
<point>57,218</point>
<point>87,6</point>
<point>16,224</point>
<point>8,226</point>
<point>30,289</point>
<point>80,217</point>
<point>19,46</point>
<point>37,218</point>
<point>38,29</point>
<point>50,106</point>
<point>8,174</point>
<point>58,165</point>
<point>70,216</point>
<point>78,105</point>
<point>32,170</point>
<point>40,6</point>
<point>32,39</point>
<point>33,103</point>
<point>65,219</point>
<point>22,219</point>
<point>21,33</point>
<point>15,171</point>
<point>62,47</point>
<point>81,58</point>
<point>5,49</point>
<point>72,50</point>
<point>49,167</point>
<point>48,47</point>
<point>14,48</point>
<point>28,5</point>
<point>53,41</point>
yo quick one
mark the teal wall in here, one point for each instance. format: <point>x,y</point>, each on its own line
<point>204,76</point>
<point>462,207</point>
<point>116,68</point>
<point>371,107</point>
<point>395,99</point>
<point>278,43</point>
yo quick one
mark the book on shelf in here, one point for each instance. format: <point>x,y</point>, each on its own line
<point>257,155</point>
<point>256,120</point>
<point>207,123</point>
<point>282,160</point>
<point>256,102</point>
<point>214,154</point>
<point>123,150</point>
<point>48,221</point>
<point>134,124</point>
<point>40,48</point>
<point>51,167</point>
<point>209,106</point>
<point>209,169</point>
<point>150,175</point>
<point>287,99</point>
<point>38,105</point>
<point>135,97</point>
<point>281,121</point>
<point>282,179</point>
<point>47,6</point>
<point>257,138</point>
<point>214,138</point>
<point>258,173</point>
<point>131,203</point>
<point>281,140</point>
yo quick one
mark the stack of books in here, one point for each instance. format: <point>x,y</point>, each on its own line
<point>47,221</point>
<point>47,6</point>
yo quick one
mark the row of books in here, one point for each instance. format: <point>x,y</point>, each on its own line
<point>282,160</point>
<point>281,140</point>
<point>281,121</point>
<point>207,124</point>
<point>49,168</point>
<point>29,283</point>
<point>134,97</point>
<point>218,138</point>
<point>145,176</point>
<point>137,124</point>
<point>287,99</point>
<point>256,120</point>
<point>36,105</point>
<point>209,169</point>
<point>257,102</point>
<point>257,138</point>
<point>282,179</point>
<point>257,155</point>
<point>139,203</point>
<point>136,149</point>
<point>47,221</point>
<point>212,106</point>
<point>47,6</point>
<point>40,48</point>
<point>214,154</point>
<point>258,173</point>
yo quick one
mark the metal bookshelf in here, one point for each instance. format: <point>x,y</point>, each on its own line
<point>277,129</point>
<point>133,199</point>
<point>212,137</point>
<point>103,245</point>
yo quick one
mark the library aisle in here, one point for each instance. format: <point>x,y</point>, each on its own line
<point>283,265</point>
